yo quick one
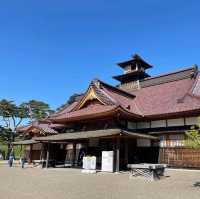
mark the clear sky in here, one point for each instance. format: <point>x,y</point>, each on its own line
<point>50,49</point>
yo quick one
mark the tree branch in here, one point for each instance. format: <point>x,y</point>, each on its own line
<point>20,120</point>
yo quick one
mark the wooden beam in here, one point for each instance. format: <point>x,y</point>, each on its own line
<point>114,154</point>
<point>30,153</point>
<point>126,151</point>
<point>74,154</point>
<point>41,151</point>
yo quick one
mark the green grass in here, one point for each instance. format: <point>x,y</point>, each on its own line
<point>18,151</point>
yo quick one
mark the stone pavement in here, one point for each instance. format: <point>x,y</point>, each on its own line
<point>17,183</point>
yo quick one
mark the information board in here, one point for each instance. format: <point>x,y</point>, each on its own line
<point>89,163</point>
<point>107,161</point>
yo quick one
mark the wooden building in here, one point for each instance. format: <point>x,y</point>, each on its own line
<point>32,148</point>
<point>143,119</point>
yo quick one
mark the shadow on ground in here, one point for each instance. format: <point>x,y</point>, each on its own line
<point>196,184</point>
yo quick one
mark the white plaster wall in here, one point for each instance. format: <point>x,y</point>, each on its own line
<point>191,120</point>
<point>176,122</point>
<point>131,125</point>
<point>143,125</point>
<point>158,123</point>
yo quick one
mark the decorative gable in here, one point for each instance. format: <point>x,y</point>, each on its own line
<point>90,97</point>
<point>36,131</point>
<point>100,93</point>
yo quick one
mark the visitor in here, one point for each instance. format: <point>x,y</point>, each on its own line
<point>10,161</point>
<point>23,160</point>
<point>81,155</point>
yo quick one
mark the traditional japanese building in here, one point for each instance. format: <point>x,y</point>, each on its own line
<point>142,119</point>
<point>32,148</point>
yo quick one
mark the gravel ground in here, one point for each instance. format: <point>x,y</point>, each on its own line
<point>17,183</point>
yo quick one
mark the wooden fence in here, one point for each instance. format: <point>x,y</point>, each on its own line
<point>180,157</point>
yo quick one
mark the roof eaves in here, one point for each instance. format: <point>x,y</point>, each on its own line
<point>91,115</point>
<point>192,112</point>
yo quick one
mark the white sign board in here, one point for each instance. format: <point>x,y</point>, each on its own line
<point>107,161</point>
<point>89,163</point>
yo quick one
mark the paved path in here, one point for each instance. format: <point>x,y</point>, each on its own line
<point>16,183</point>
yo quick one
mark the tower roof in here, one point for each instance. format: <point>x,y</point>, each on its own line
<point>136,59</point>
<point>134,69</point>
<point>135,75</point>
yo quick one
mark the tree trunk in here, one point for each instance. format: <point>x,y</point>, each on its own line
<point>9,150</point>
<point>12,139</point>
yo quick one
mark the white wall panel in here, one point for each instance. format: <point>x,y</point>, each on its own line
<point>158,123</point>
<point>143,125</point>
<point>191,120</point>
<point>131,125</point>
<point>175,122</point>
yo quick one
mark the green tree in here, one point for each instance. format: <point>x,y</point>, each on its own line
<point>193,136</point>
<point>12,115</point>
<point>37,110</point>
<point>73,98</point>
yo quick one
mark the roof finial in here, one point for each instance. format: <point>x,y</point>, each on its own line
<point>136,56</point>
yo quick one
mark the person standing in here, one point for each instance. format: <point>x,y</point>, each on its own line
<point>10,161</point>
<point>80,157</point>
<point>23,160</point>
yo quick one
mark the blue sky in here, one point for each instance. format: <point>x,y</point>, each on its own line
<point>50,49</point>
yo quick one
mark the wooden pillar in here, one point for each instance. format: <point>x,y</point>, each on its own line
<point>41,152</point>
<point>117,164</point>
<point>74,154</point>
<point>114,154</point>
<point>41,155</point>
<point>47,156</point>
<point>126,151</point>
<point>30,153</point>
<point>86,147</point>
